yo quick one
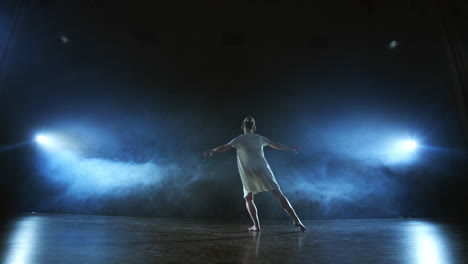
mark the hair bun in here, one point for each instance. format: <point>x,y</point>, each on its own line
<point>249,123</point>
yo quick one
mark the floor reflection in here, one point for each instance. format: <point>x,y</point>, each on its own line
<point>252,248</point>
<point>283,247</point>
<point>428,244</point>
<point>49,239</point>
<point>23,242</point>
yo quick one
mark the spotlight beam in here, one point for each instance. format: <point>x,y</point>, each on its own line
<point>39,139</point>
<point>13,146</point>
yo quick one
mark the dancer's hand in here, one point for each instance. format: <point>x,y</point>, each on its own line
<point>208,153</point>
<point>295,149</point>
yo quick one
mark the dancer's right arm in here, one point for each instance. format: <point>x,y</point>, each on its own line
<point>221,148</point>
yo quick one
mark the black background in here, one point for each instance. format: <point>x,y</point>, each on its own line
<point>172,79</point>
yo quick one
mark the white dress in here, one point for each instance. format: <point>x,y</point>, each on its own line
<point>255,173</point>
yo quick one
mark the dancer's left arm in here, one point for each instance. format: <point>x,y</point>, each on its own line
<point>221,148</point>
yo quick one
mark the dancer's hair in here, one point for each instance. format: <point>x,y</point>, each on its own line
<point>249,123</point>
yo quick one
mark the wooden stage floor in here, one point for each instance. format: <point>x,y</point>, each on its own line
<point>53,238</point>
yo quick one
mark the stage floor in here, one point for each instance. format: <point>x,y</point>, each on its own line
<point>50,238</point>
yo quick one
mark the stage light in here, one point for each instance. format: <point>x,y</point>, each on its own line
<point>393,44</point>
<point>400,150</point>
<point>64,39</point>
<point>43,140</point>
<point>408,145</point>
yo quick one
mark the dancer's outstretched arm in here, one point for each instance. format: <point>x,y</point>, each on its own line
<point>221,148</point>
<point>279,146</point>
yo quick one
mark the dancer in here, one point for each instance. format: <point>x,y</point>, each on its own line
<point>255,173</point>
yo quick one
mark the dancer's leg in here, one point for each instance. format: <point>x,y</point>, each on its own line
<point>284,203</point>
<point>249,203</point>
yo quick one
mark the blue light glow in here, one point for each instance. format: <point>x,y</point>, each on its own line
<point>402,151</point>
<point>84,177</point>
<point>408,145</point>
<point>53,141</point>
<point>41,139</point>
<point>373,141</point>
<point>90,165</point>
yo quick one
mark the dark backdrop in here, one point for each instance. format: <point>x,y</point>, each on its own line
<point>133,93</point>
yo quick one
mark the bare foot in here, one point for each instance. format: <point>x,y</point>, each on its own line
<point>301,226</point>
<point>254,229</point>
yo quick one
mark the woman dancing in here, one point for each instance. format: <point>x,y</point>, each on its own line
<point>255,173</point>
